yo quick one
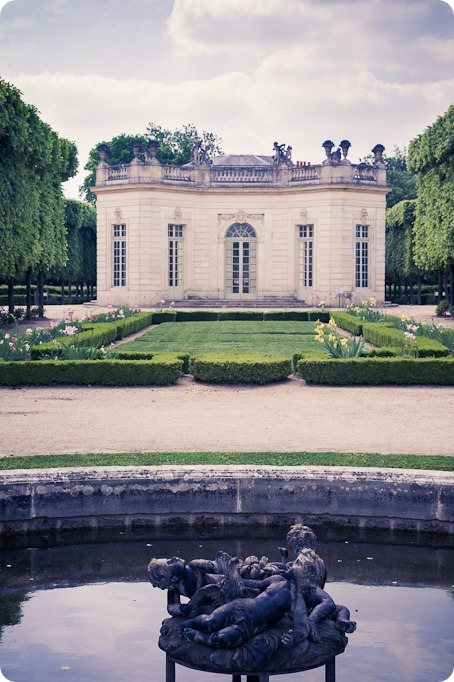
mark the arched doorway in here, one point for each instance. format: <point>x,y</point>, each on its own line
<point>241,262</point>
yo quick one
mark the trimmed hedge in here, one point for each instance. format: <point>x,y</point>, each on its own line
<point>383,352</point>
<point>164,316</point>
<point>97,334</point>
<point>142,355</point>
<point>130,325</point>
<point>244,315</point>
<point>378,371</point>
<point>196,315</point>
<point>162,370</point>
<point>239,368</point>
<point>350,323</point>
<point>381,334</point>
<point>284,315</point>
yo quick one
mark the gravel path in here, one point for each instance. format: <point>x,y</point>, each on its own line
<point>289,416</point>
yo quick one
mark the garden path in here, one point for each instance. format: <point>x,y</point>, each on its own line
<point>288,416</point>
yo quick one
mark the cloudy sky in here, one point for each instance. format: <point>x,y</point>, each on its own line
<point>251,71</point>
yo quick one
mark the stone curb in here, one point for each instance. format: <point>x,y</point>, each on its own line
<point>201,496</point>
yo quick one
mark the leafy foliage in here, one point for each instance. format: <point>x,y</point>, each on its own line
<point>402,181</point>
<point>174,148</point>
<point>399,177</point>
<point>33,163</point>
<point>431,154</point>
<point>400,220</point>
<point>80,229</point>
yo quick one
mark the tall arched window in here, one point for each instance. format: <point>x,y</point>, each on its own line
<point>241,261</point>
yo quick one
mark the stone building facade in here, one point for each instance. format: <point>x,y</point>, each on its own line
<point>241,228</point>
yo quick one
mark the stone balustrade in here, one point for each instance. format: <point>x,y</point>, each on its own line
<point>304,173</point>
<point>273,175</point>
<point>119,172</point>
<point>242,174</point>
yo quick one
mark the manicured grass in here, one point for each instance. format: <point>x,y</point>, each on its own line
<point>282,338</point>
<point>432,462</point>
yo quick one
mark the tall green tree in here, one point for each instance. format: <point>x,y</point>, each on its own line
<point>402,181</point>
<point>399,177</point>
<point>80,228</point>
<point>34,162</point>
<point>431,155</point>
<point>400,262</point>
<point>174,148</point>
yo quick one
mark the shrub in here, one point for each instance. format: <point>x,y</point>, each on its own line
<point>319,315</point>
<point>162,370</point>
<point>378,371</point>
<point>135,323</point>
<point>195,315</point>
<point>239,368</point>
<point>381,334</point>
<point>444,308</point>
<point>350,323</point>
<point>164,316</point>
<point>97,334</point>
<point>298,315</point>
<point>379,352</point>
<point>143,355</point>
<point>101,334</point>
<point>244,315</point>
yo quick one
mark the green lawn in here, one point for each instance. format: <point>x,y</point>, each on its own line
<point>349,459</point>
<point>282,338</point>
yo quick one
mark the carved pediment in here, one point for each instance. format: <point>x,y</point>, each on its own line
<point>240,217</point>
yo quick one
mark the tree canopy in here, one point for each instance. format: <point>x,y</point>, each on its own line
<point>402,181</point>
<point>80,229</point>
<point>431,155</point>
<point>400,220</point>
<point>34,161</point>
<point>174,148</point>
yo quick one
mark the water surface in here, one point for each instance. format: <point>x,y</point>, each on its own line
<point>76,609</point>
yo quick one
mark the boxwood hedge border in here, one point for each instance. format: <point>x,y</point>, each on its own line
<point>140,368</point>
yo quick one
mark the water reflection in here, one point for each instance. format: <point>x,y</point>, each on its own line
<point>84,611</point>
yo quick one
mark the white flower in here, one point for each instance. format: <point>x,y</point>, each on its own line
<point>69,330</point>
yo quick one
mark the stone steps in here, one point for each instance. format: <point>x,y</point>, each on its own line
<point>273,302</point>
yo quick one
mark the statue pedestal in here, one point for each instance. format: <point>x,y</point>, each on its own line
<point>330,672</point>
<point>259,658</point>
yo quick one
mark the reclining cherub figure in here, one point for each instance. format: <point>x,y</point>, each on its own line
<point>236,622</point>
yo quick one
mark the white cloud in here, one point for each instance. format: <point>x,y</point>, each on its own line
<point>253,72</point>
<point>244,110</point>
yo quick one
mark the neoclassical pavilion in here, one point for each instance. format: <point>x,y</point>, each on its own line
<point>241,227</point>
